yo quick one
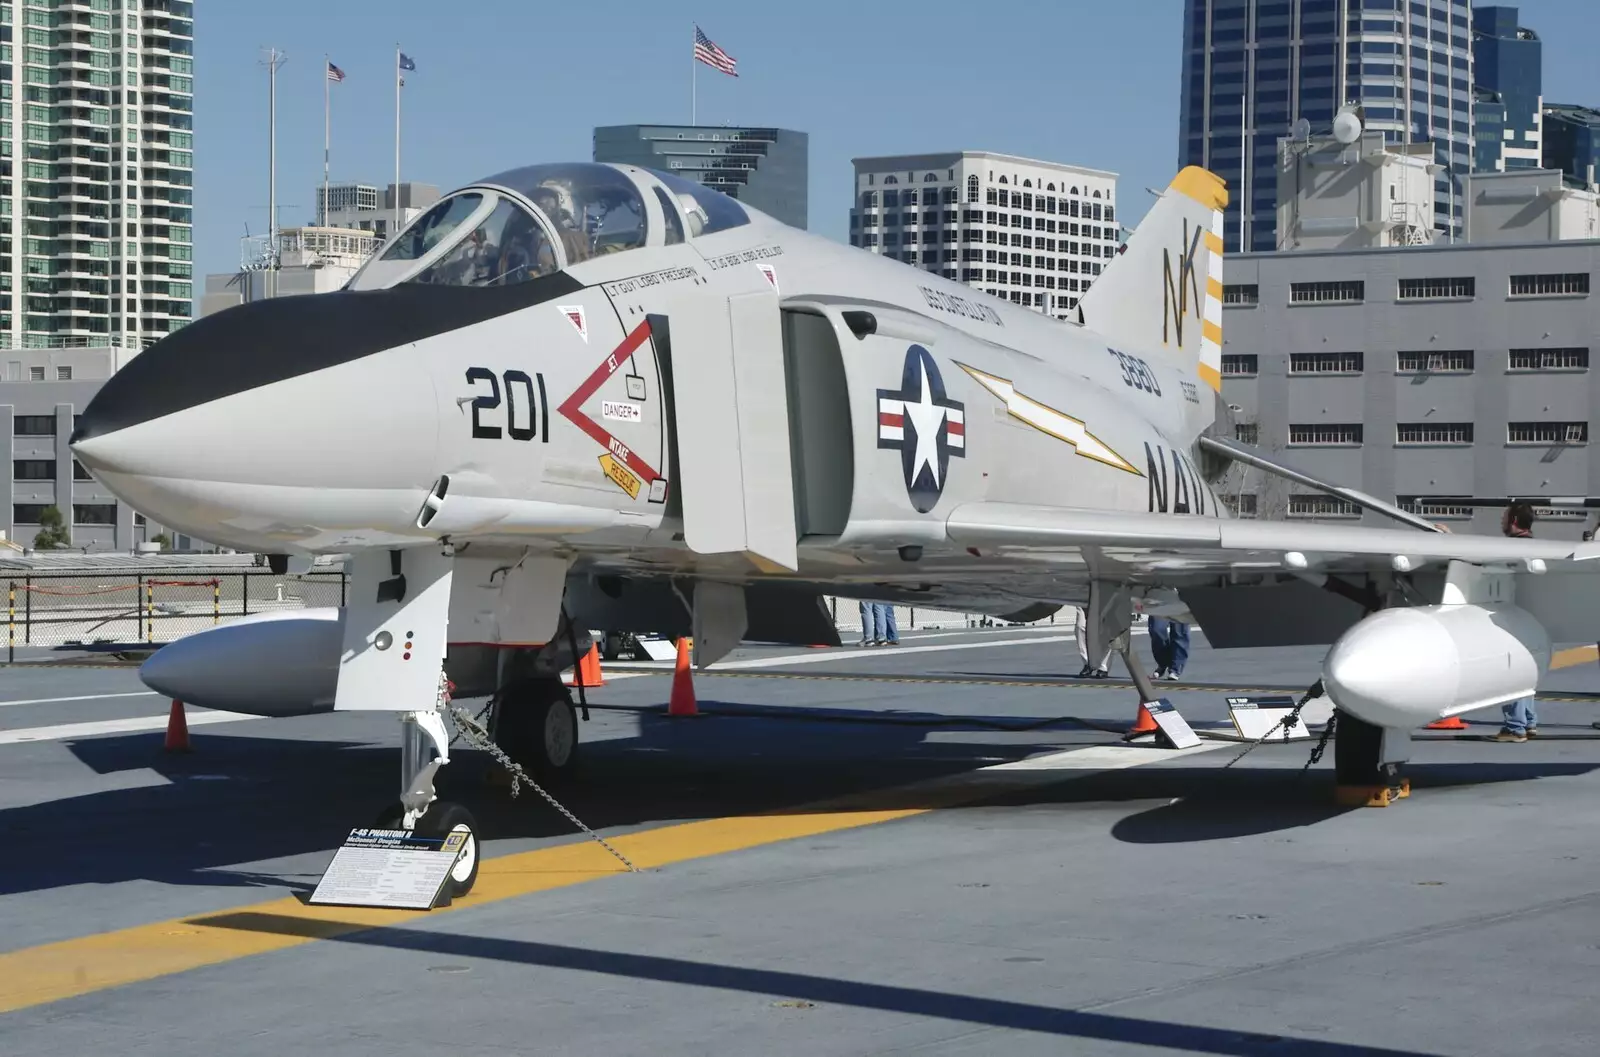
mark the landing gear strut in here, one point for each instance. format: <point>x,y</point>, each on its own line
<point>423,734</point>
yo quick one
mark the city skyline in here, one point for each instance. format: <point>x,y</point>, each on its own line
<point>458,126</point>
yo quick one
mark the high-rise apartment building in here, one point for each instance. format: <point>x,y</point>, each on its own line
<point>1035,233</point>
<point>96,171</point>
<point>1251,68</point>
<point>767,168</point>
<point>1508,67</point>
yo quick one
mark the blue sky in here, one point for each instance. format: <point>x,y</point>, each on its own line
<point>506,82</point>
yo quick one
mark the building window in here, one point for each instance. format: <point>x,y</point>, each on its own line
<point>1547,433</point>
<point>1560,513</point>
<point>1241,294</point>
<point>94,513</point>
<point>1326,362</point>
<point>1315,506</point>
<point>1327,293</point>
<point>972,188</point>
<point>79,472</point>
<point>63,374</point>
<point>1437,289</point>
<point>1326,433</point>
<point>35,426</point>
<point>1433,433</point>
<point>1437,508</point>
<point>27,513</point>
<point>35,374</point>
<point>1549,360</point>
<point>33,469</point>
<point>1550,284</point>
<point>1242,505</point>
<point>1247,432</point>
<point>1458,360</point>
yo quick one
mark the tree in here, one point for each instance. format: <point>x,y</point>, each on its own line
<point>53,533</point>
<point>160,538</point>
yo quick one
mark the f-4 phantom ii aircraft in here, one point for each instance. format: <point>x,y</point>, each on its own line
<point>597,396</point>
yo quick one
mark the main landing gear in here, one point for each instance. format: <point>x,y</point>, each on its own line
<point>534,721</point>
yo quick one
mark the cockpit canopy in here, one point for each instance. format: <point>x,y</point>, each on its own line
<point>525,223</point>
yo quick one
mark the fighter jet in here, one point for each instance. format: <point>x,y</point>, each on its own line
<point>577,396</point>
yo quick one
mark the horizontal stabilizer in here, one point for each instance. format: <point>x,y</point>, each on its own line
<point>1279,467</point>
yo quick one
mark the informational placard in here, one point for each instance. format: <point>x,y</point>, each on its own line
<point>1173,728</point>
<point>1255,717</point>
<point>389,868</point>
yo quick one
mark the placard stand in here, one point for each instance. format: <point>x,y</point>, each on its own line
<point>1172,730</point>
<point>1256,717</point>
<point>393,868</point>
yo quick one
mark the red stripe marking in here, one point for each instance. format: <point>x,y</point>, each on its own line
<point>569,407</point>
<point>886,419</point>
<point>956,429</point>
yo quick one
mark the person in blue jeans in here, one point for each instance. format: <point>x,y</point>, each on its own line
<point>1520,722</point>
<point>1169,643</point>
<point>878,625</point>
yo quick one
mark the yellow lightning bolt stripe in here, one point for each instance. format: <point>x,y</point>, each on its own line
<point>1048,420</point>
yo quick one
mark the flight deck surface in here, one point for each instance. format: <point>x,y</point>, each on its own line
<point>934,849</point>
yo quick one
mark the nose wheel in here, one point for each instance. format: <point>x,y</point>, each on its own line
<point>440,820</point>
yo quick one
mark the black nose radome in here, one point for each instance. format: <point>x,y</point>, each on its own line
<point>262,342</point>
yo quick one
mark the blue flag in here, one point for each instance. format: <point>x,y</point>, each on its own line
<point>406,63</point>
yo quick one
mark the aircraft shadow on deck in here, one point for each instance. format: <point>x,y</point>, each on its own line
<point>242,799</point>
<point>824,990</point>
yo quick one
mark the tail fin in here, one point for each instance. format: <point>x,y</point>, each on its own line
<point>1174,257</point>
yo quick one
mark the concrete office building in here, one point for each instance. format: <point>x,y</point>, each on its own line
<point>767,168</point>
<point>1252,67</point>
<point>318,258</point>
<point>42,393</point>
<point>366,207</point>
<point>1424,375</point>
<point>1033,232</point>
<point>97,154</point>
<point>1508,73</point>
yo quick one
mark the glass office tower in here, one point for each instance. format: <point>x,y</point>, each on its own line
<point>1251,67</point>
<point>1508,60</point>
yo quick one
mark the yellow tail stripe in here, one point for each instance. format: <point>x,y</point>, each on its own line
<point>1210,330</point>
<point>1214,288</point>
<point>1211,376</point>
<point>1213,243</point>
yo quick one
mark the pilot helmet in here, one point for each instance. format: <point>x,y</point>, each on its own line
<point>565,211</point>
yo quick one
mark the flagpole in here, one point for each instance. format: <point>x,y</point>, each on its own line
<point>327,66</point>
<point>693,63</point>
<point>395,230</point>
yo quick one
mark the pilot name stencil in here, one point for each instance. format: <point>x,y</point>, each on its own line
<point>960,306</point>
<point>649,279</point>
<point>728,260</point>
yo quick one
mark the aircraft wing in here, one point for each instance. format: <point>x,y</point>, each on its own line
<point>1159,542</point>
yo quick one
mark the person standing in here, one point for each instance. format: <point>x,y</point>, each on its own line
<point>1091,670</point>
<point>878,626</point>
<point>1521,721</point>
<point>1169,644</point>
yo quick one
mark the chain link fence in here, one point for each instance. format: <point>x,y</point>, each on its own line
<point>152,606</point>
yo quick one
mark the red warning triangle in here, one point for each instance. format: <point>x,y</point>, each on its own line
<point>576,317</point>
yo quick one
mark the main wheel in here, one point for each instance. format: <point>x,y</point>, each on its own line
<point>537,727</point>
<point>440,820</point>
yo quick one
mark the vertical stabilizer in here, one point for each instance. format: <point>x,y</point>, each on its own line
<point>1162,293</point>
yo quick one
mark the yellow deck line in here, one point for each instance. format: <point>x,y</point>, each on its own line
<point>1574,656</point>
<point>52,972</point>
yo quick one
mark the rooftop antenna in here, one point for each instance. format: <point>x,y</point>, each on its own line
<point>272,60</point>
<point>1300,132</point>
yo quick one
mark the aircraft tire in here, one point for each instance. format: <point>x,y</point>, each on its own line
<point>441,818</point>
<point>538,728</point>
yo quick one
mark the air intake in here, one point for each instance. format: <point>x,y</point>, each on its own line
<point>435,500</point>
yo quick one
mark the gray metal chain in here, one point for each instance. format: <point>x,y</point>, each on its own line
<point>478,736</point>
<point>1289,721</point>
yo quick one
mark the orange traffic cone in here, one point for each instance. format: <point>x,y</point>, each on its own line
<point>681,703</point>
<point>587,671</point>
<point>177,729</point>
<point>1453,723</point>
<point>1144,724</point>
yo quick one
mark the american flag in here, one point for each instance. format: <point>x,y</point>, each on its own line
<point>334,73</point>
<point>711,55</point>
